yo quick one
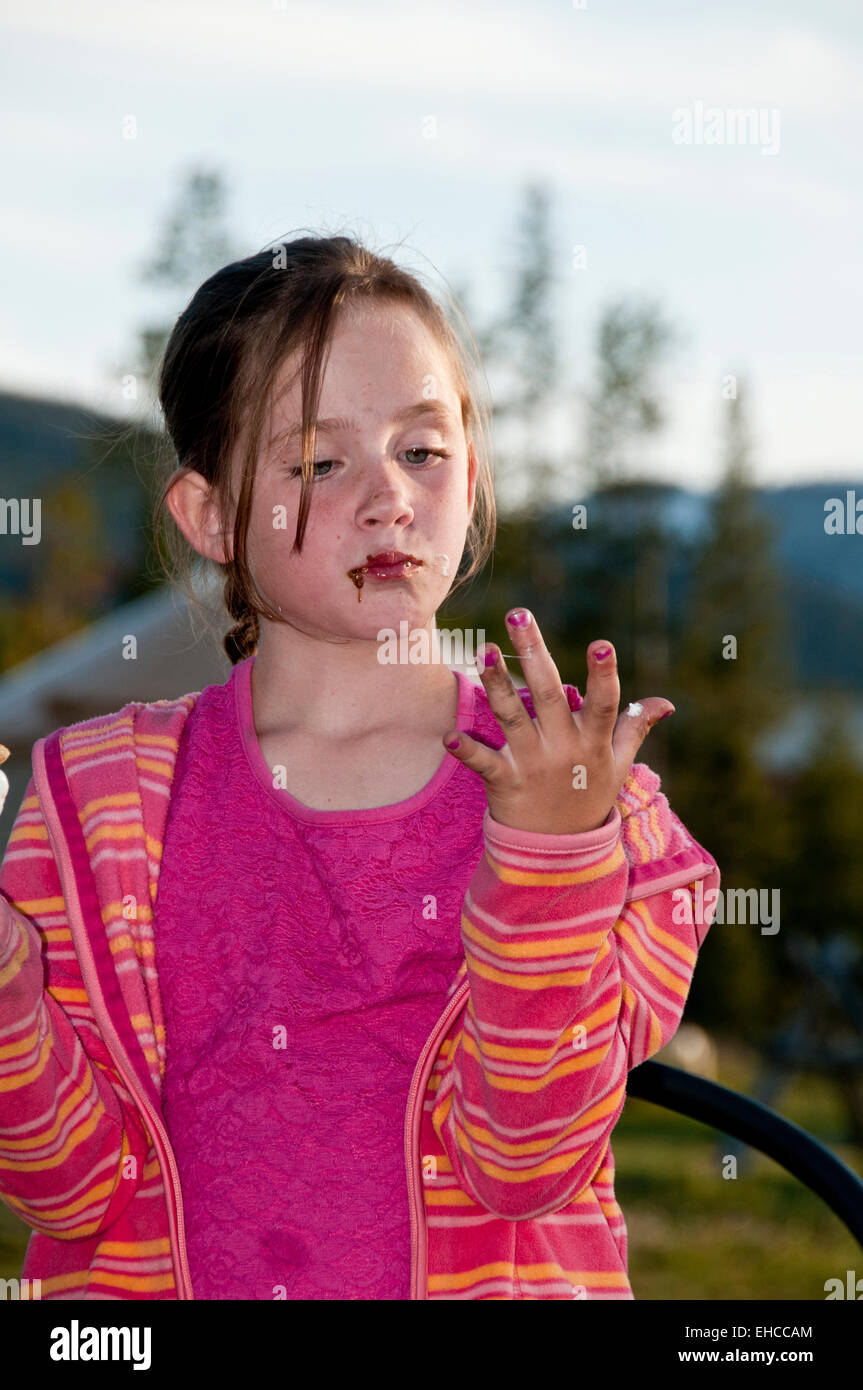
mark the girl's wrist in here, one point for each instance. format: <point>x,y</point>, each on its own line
<point>592,838</point>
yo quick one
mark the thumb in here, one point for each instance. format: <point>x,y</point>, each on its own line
<point>634,724</point>
<point>474,755</point>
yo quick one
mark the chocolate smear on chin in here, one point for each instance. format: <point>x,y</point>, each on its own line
<point>358,576</point>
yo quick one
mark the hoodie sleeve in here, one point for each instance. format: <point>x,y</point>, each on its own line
<point>72,1146</point>
<point>580,951</point>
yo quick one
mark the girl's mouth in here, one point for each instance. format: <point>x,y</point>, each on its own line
<point>387,564</point>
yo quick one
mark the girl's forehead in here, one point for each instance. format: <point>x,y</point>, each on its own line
<point>387,323</point>
<point>425,358</point>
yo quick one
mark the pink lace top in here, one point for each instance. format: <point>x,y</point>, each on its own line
<point>303,958</point>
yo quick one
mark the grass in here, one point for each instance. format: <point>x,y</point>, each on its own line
<point>694,1234</point>
<point>13,1242</point>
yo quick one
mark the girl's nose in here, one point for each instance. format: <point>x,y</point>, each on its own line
<point>387,509</point>
<point>384,496</point>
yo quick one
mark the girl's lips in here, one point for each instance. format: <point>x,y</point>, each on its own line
<point>387,564</point>
<point>392,557</point>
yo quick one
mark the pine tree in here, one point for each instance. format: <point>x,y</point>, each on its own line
<point>731,682</point>
<point>524,340</point>
<point>624,404</point>
<point>623,555</point>
<point>193,244</point>
<point>825,900</point>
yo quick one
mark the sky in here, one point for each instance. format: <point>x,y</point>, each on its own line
<point>421,125</point>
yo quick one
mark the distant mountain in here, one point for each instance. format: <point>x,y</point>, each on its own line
<point>798,515</point>
<point>823,573</point>
<point>45,444</point>
<point>40,440</point>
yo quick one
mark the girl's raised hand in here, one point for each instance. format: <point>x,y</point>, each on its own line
<point>559,773</point>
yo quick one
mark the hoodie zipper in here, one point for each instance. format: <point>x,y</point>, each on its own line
<point>413,1139</point>
<point>112,1041</point>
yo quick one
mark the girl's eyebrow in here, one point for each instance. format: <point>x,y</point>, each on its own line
<point>433,409</point>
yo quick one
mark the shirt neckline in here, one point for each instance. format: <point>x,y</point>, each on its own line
<point>241,678</point>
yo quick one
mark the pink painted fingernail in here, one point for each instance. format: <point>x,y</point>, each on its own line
<point>601,655</point>
<point>665,715</point>
<point>454,744</point>
<point>519,617</point>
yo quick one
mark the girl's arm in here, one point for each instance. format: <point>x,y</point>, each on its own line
<point>580,954</point>
<point>72,1147</point>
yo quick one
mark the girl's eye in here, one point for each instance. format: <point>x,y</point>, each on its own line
<point>328,463</point>
<point>319,463</point>
<point>419,449</point>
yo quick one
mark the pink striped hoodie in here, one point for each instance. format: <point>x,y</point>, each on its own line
<point>578,958</point>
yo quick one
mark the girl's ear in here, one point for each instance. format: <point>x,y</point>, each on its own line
<point>196,513</point>
<point>472,471</point>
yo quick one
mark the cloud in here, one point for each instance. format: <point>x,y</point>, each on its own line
<point>547,53</point>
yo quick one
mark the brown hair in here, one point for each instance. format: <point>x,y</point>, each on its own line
<point>218,369</point>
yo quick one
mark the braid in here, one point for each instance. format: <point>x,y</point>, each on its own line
<point>242,639</point>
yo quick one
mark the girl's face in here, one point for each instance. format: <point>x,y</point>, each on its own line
<point>393,472</point>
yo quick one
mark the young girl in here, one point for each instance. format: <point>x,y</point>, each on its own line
<point>325,982</point>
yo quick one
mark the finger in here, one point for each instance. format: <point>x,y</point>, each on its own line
<point>553,714</point>
<point>602,695</point>
<point>633,725</point>
<point>506,703</point>
<point>485,761</point>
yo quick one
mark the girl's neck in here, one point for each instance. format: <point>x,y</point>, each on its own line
<point>341,691</point>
